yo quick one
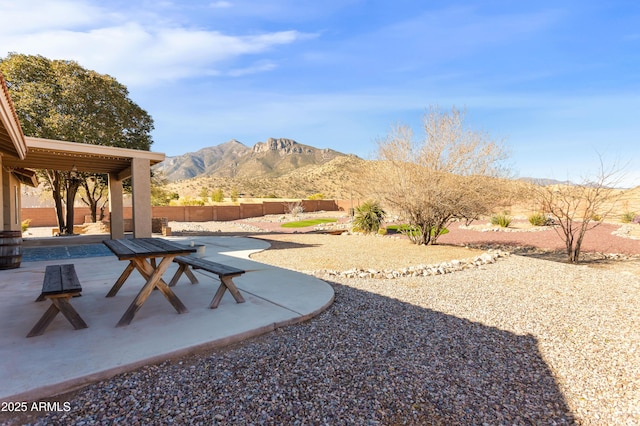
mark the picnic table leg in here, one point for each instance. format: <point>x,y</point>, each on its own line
<point>123,277</point>
<point>153,281</point>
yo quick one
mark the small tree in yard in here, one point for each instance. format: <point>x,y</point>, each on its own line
<point>580,208</point>
<point>452,173</point>
<point>59,99</point>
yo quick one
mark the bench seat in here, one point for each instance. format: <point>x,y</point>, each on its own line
<point>224,272</point>
<point>60,285</point>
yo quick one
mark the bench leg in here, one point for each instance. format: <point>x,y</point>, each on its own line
<point>59,304</point>
<point>70,313</point>
<point>226,283</point>
<point>44,321</point>
<point>183,268</point>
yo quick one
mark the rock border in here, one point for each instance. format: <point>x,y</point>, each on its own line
<point>491,256</point>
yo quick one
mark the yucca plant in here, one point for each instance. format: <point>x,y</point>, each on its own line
<point>502,220</point>
<point>538,219</point>
<point>368,217</point>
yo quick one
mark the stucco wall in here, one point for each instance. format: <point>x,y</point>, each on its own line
<point>46,216</point>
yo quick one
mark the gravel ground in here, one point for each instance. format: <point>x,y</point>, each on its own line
<point>519,341</point>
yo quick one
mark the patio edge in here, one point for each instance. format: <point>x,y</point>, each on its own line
<point>72,385</point>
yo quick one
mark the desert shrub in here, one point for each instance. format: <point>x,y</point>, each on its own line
<point>627,217</point>
<point>382,231</point>
<point>295,208</point>
<point>188,201</point>
<point>368,216</point>
<point>596,217</point>
<point>217,196</point>
<point>415,233</point>
<point>318,196</point>
<point>25,224</point>
<point>503,220</point>
<point>538,219</point>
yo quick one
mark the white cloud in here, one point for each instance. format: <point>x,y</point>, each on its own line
<point>137,52</point>
<point>220,4</point>
<point>28,16</point>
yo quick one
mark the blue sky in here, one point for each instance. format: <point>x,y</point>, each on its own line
<point>558,81</point>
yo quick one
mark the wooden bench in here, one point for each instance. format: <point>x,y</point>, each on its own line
<point>224,272</point>
<point>60,284</point>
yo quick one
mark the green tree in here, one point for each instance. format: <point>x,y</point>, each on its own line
<point>59,99</point>
<point>234,194</point>
<point>217,196</point>
<point>204,194</point>
<point>160,196</point>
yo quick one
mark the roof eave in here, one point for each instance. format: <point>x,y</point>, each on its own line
<point>9,120</point>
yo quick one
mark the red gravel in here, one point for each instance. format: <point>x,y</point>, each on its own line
<point>599,239</point>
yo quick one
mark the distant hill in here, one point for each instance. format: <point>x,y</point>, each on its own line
<point>338,178</point>
<point>233,159</point>
<point>543,181</point>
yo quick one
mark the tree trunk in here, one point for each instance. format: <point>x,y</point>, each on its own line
<point>56,184</point>
<point>72,188</point>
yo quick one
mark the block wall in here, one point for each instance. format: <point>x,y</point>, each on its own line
<point>46,216</point>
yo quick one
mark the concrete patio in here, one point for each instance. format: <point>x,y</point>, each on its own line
<point>63,359</point>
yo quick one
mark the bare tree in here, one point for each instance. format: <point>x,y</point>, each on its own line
<point>579,208</point>
<point>94,192</point>
<point>451,173</point>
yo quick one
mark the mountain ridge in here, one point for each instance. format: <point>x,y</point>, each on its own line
<point>233,159</point>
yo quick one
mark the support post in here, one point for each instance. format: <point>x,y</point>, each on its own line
<point>116,209</point>
<point>141,197</point>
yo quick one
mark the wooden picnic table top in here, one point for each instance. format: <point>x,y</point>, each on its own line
<point>146,247</point>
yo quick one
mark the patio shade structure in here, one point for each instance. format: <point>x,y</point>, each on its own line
<point>19,154</point>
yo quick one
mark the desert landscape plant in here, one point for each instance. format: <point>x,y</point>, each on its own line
<point>502,220</point>
<point>578,208</point>
<point>368,217</point>
<point>294,208</point>
<point>217,196</point>
<point>453,172</point>
<point>627,217</point>
<point>537,219</point>
<point>25,224</point>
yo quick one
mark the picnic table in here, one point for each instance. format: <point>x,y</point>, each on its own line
<point>142,254</point>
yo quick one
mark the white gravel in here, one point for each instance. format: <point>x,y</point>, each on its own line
<point>519,341</point>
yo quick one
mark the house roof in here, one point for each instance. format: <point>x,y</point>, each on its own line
<point>62,155</point>
<point>12,142</point>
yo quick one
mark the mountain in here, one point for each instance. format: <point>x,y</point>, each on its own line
<point>233,159</point>
<point>339,178</point>
<point>543,181</point>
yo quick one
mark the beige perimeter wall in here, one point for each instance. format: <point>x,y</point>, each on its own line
<point>46,216</point>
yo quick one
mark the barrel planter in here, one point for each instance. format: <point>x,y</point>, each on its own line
<point>10,249</point>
